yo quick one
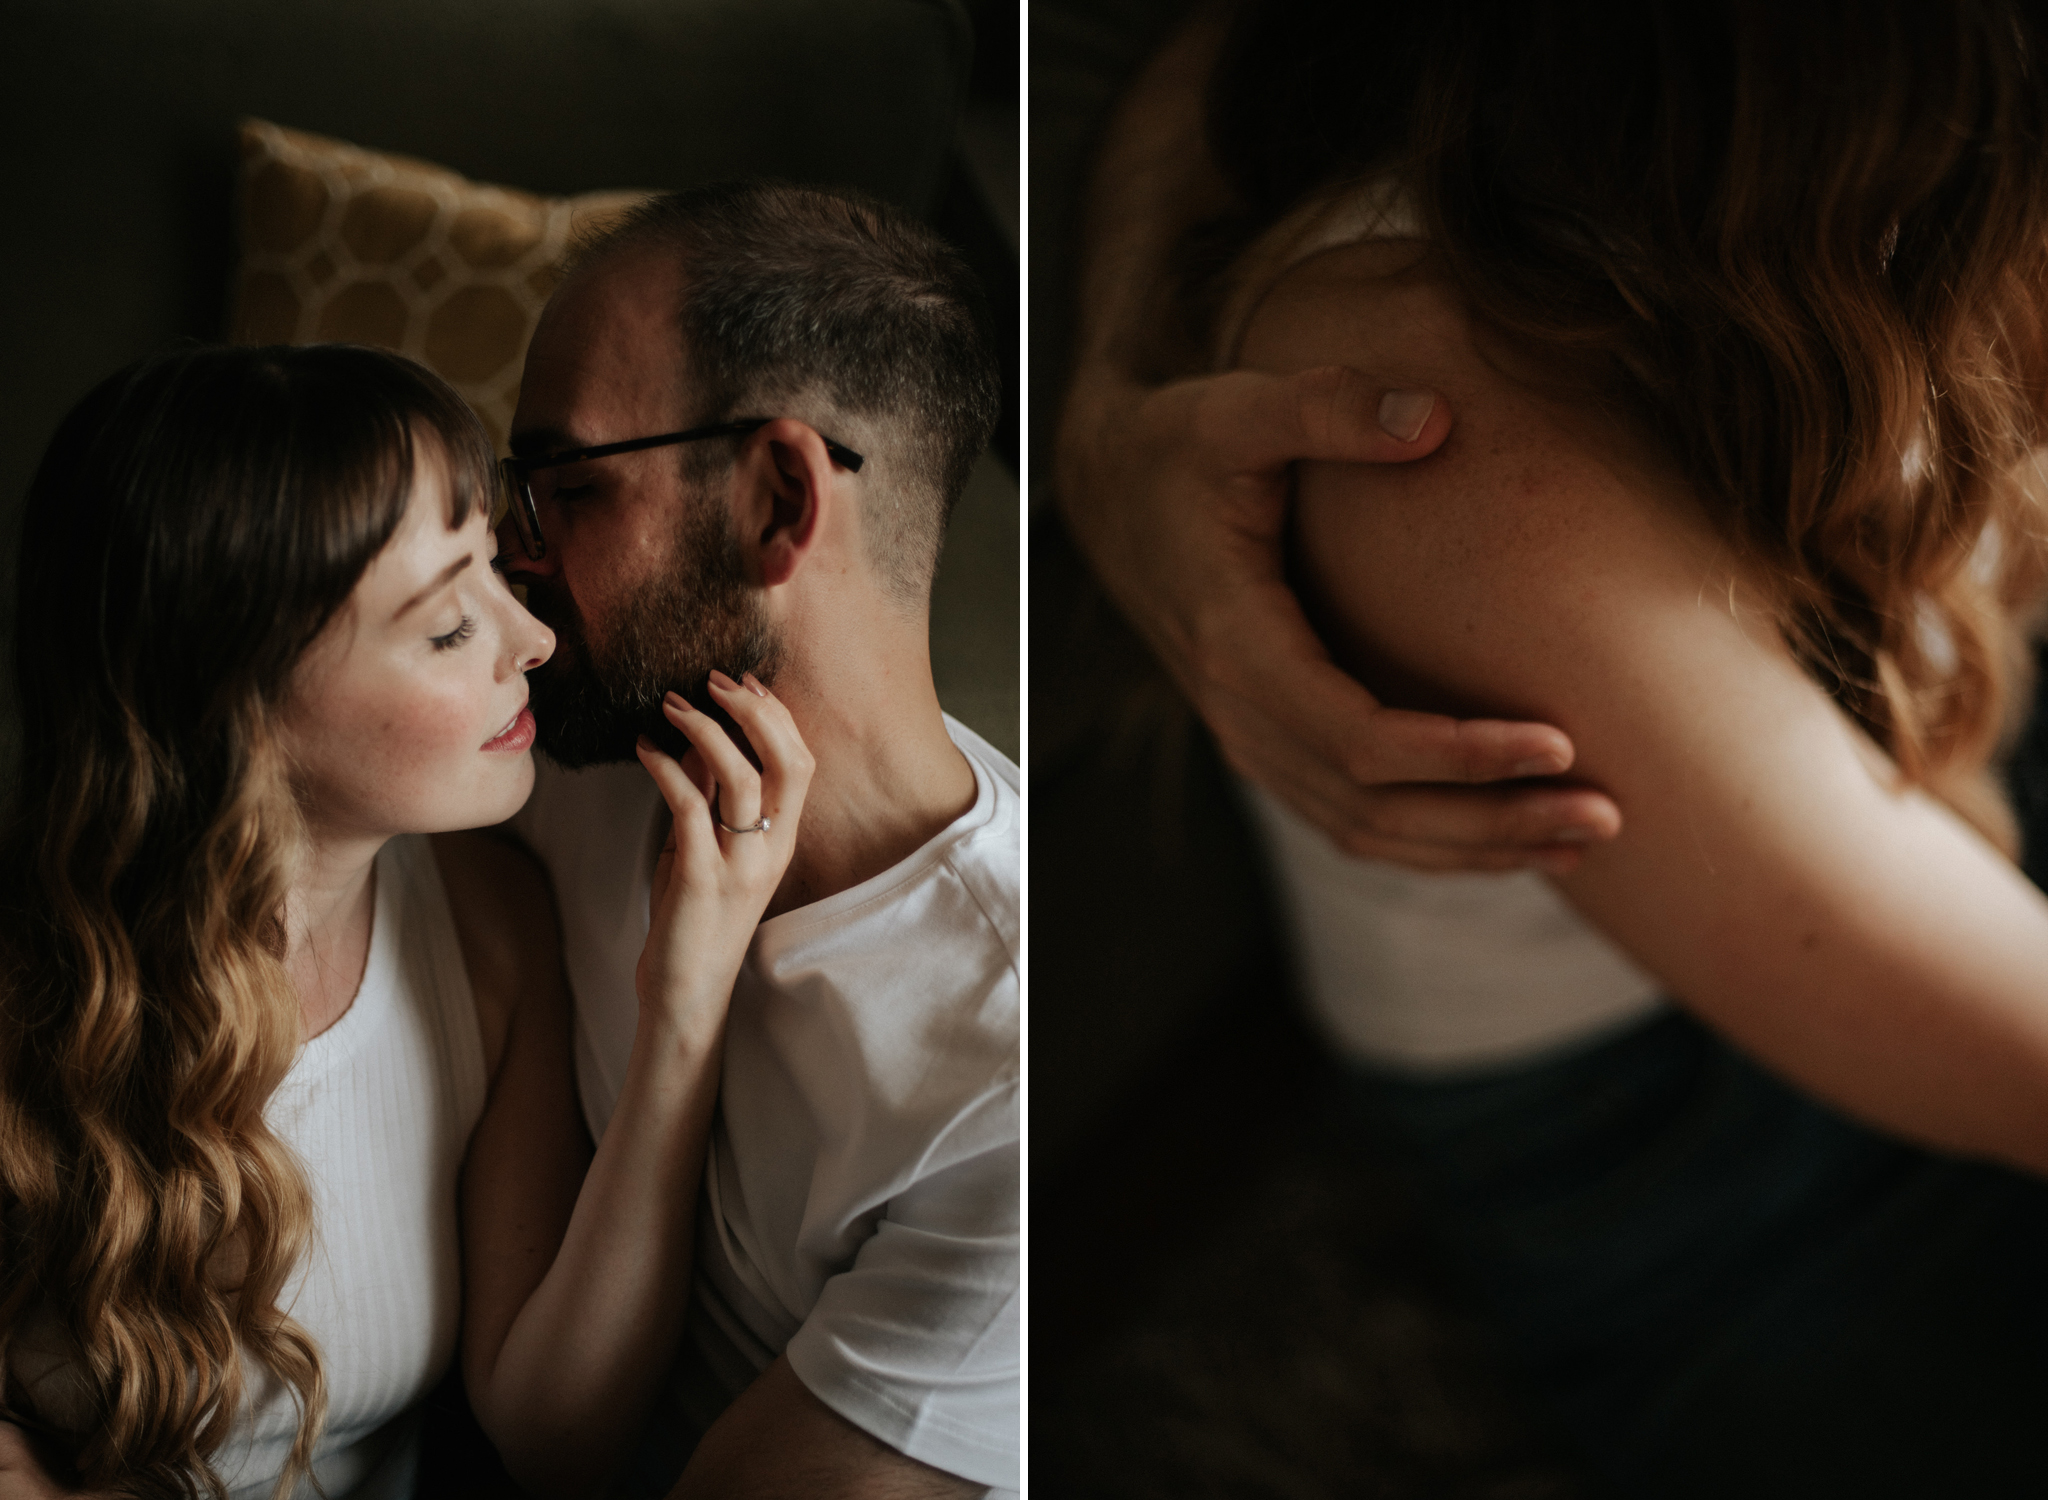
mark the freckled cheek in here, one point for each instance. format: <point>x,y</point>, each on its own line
<point>412,739</point>
<point>438,728</point>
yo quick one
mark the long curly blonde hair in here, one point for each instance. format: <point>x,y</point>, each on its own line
<point>194,525</point>
<point>1804,246</point>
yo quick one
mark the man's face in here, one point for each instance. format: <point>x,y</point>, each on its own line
<point>644,583</point>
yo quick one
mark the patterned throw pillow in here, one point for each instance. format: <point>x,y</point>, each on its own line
<point>340,244</point>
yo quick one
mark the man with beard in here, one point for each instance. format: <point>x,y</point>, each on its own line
<point>745,417</point>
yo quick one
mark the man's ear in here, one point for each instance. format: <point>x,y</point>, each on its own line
<point>786,490</point>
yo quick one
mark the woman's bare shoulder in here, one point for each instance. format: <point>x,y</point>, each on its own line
<point>1771,870</point>
<point>1482,577</point>
<point>505,917</point>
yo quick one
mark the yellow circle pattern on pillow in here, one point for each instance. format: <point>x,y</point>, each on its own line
<point>346,245</point>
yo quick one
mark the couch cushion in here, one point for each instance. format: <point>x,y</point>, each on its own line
<point>345,245</point>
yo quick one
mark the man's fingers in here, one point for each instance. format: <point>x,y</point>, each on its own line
<point>1457,830</point>
<point>1289,719</point>
<point>1503,826</point>
<point>1266,654</point>
<point>1518,821</point>
<point>1463,820</point>
<point>1392,820</point>
<point>1331,413</point>
<point>1441,748</point>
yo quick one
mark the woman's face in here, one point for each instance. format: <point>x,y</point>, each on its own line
<point>408,714</point>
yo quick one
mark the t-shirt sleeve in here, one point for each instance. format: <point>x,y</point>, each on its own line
<point>917,1342</point>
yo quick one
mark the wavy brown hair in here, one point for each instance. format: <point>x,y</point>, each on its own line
<point>1804,246</point>
<point>196,522</point>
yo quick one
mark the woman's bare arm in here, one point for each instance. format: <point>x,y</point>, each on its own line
<point>1175,487</point>
<point>1855,936</point>
<point>577,1282</point>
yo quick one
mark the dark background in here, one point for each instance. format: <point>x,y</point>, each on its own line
<point>118,121</point>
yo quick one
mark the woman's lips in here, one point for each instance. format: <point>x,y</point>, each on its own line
<point>515,736</point>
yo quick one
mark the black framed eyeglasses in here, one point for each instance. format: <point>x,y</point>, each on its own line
<point>518,471</point>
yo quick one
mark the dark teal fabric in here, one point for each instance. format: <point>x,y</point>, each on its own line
<point>1721,1287</point>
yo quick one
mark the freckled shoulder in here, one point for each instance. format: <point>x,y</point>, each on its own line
<point>506,922</point>
<point>1460,581</point>
<point>1526,433</point>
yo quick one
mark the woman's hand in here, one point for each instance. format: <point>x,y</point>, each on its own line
<point>575,1297</point>
<point>711,883</point>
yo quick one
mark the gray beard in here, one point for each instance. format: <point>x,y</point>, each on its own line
<point>701,614</point>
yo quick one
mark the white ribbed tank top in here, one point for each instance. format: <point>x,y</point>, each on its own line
<point>379,1108</point>
<point>1423,972</point>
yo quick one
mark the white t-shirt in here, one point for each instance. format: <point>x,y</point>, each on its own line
<point>860,1209</point>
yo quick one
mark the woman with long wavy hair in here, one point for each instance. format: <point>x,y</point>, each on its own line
<point>1740,310</point>
<point>256,1032</point>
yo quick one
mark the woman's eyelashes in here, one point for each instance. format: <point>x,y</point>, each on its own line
<point>457,636</point>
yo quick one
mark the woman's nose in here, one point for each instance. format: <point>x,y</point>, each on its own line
<point>540,640</point>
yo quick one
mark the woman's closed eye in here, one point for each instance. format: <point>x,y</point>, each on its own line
<point>457,636</point>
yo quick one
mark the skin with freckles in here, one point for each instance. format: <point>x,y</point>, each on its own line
<point>1774,870</point>
<point>1175,482</point>
<point>406,715</point>
<point>409,714</point>
<point>399,715</point>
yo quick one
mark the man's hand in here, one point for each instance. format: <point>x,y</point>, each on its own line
<point>1177,494</point>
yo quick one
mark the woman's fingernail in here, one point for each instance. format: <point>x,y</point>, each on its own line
<point>755,683</point>
<point>719,679</point>
<point>678,702</point>
<point>643,743</point>
<point>1575,833</point>
<point>1404,413</point>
